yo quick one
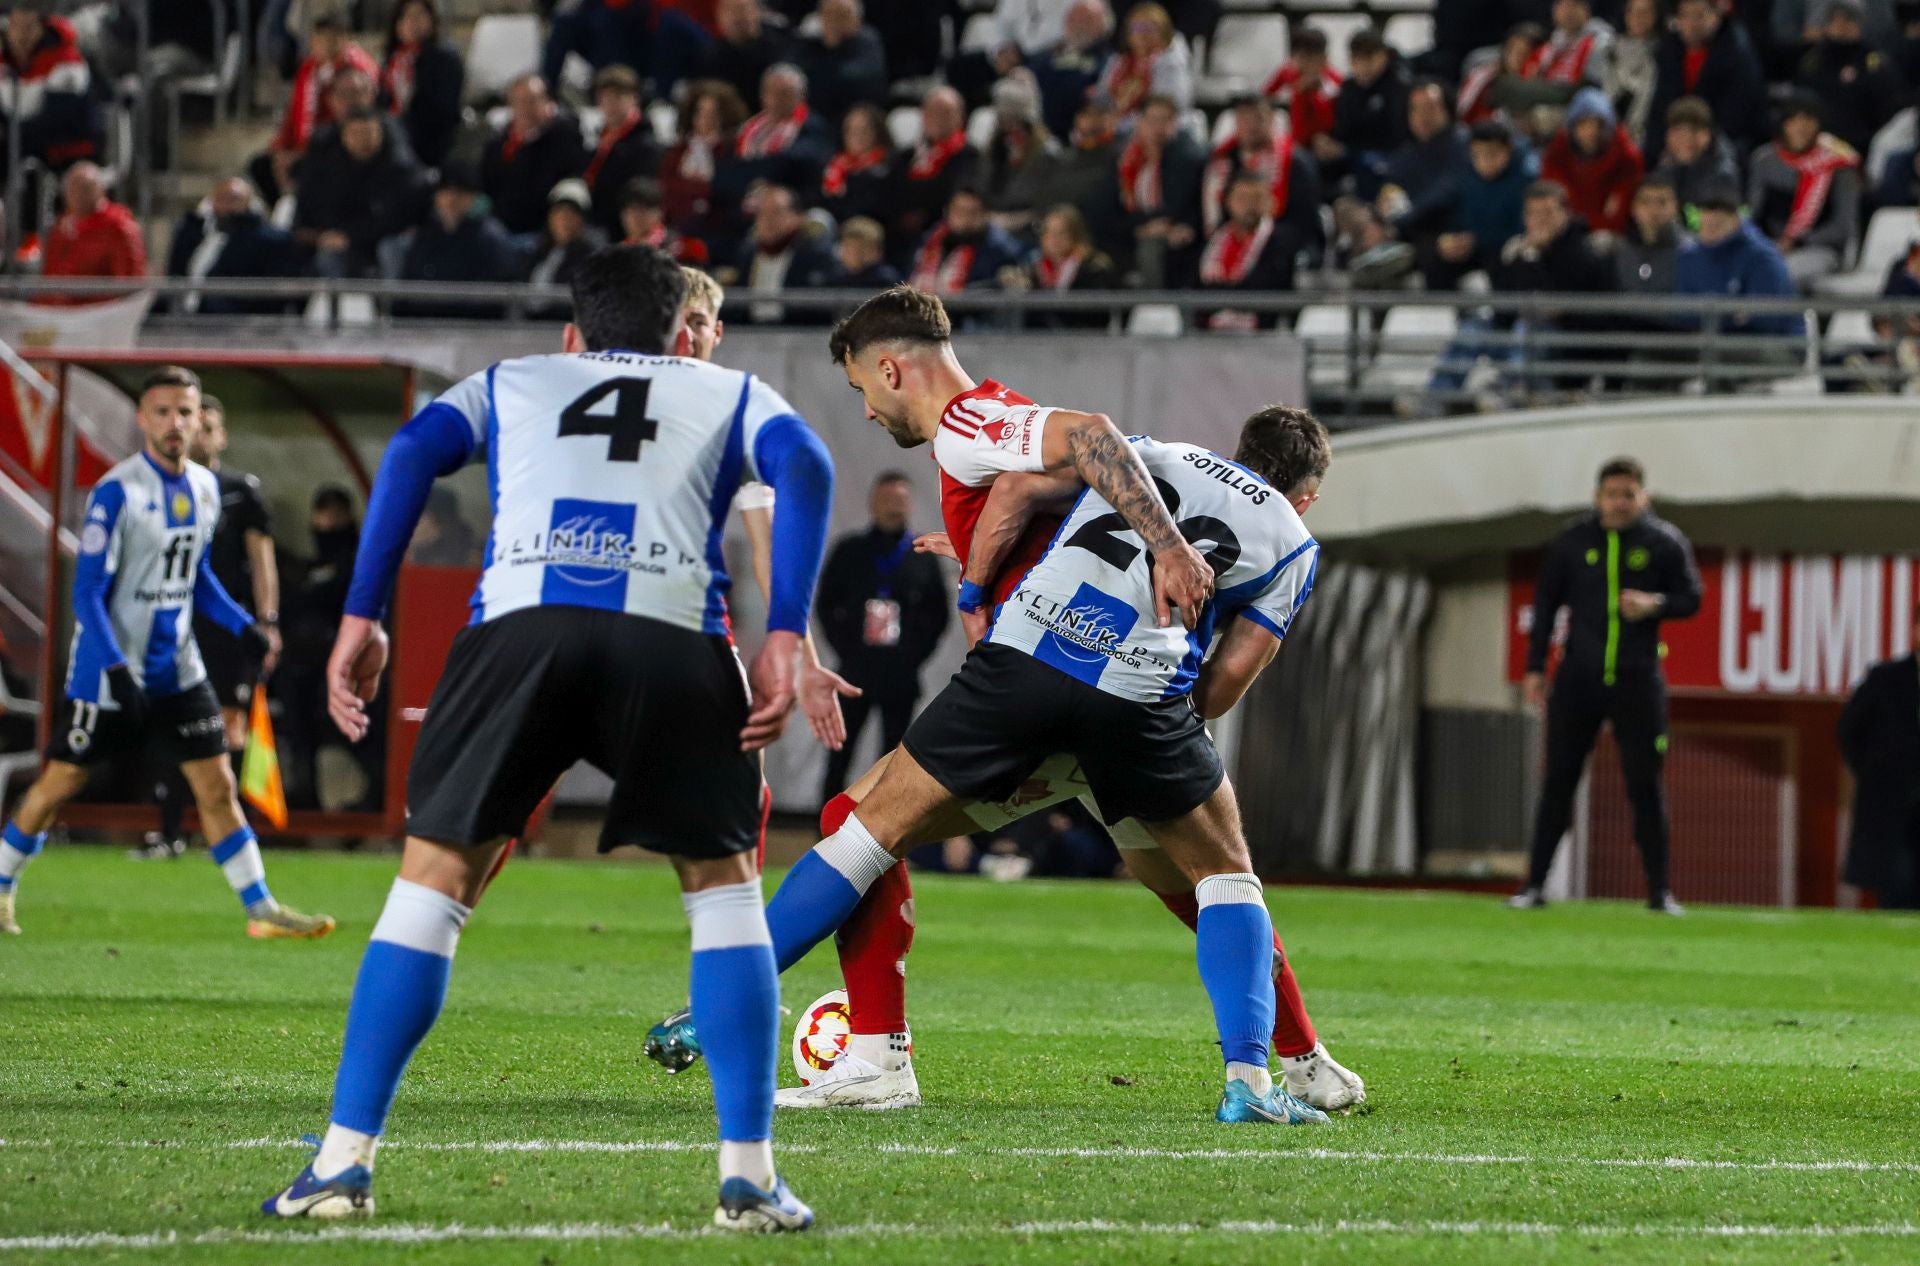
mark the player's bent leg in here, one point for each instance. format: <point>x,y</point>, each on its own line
<point>735,994</point>
<point>22,838</point>
<point>397,997</point>
<point>236,850</point>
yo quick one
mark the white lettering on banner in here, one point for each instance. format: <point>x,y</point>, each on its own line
<point>1821,621</point>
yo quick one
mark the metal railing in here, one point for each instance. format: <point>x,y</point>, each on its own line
<point>1369,355</point>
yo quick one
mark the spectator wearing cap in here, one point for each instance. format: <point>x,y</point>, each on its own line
<point>46,85</point>
<point>421,80</point>
<point>1633,65</point>
<point>1422,177</point>
<point>965,251</point>
<point>1019,158</point>
<point>1152,60</point>
<point>1709,56</point>
<point>845,63</point>
<point>460,242</point>
<point>94,236</point>
<point>1158,177</point>
<point>940,162</point>
<point>625,149</point>
<point>1369,115</point>
<point>857,181</point>
<point>566,242</point>
<point>783,251</point>
<point>745,50</point>
<point>1251,250</point>
<point>1488,211</point>
<point>1067,69</point>
<point>1575,53</point>
<point>330,51</point>
<point>539,148</point>
<point>643,222</point>
<point>1730,257</point>
<point>1260,145</point>
<point>1067,260</point>
<point>1305,86</point>
<point>1696,155</point>
<point>356,196</point>
<point>1595,161</point>
<point>1857,86</point>
<point>785,143</point>
<point>709,117</point>
<point>1803,191</point>
<point>862,253</point>
<point>228,235</point>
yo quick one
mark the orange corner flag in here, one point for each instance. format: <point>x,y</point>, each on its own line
<point>260,767</point>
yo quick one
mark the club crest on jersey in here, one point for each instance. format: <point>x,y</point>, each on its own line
<point>179,507</point>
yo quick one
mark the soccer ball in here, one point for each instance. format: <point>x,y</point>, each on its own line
<point>820,1035</point>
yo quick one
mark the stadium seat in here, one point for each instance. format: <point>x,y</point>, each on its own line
<point>1246,49</point>
<point>1410,33</point>
<point>1851,328</point>
<point>1194,124</point>
<point>665,120</point>
<point>1222,129</point>
<point>1411,340</point>
<point>1888,234</point>
<point>903,125</point>
<point>1324,330</point>
<point>978,36</point>
<point>503,47</point>
<point>1154,320</point>
<point>980,127</point>
<point>216,85</point>
<point>1340,28</point>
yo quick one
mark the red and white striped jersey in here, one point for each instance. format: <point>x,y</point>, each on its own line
<point>984,432</point>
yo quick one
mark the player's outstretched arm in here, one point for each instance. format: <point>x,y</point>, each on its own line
<point>791,458</point>
<point>1225,678</point>
<point>211,598</point>
<point>1009,508</point>
<point>1093,446</point>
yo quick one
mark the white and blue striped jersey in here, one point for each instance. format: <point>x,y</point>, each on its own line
<point>1086,607</point>
<point>611,474</point>
<point>142,554</point>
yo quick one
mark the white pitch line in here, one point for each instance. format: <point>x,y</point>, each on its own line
<point>624,1147</point>
<point>420,1233</point>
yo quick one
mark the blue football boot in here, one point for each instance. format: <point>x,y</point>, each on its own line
<point>1241,1106</point>
<point>673,1044</point>
<point>745,1207</point>
<point>348,1194</point>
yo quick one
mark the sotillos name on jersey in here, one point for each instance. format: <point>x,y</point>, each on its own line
<point>596,549</point>
<point>1232,476</point>
<point>1082,629</point>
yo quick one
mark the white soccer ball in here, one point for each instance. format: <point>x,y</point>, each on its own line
<point>820,1035</point>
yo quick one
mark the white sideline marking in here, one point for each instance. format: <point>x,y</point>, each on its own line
<point>420,1233</point>
<point>622,1147</point>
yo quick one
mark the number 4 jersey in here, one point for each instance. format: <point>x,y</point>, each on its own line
<point>1086,607</point>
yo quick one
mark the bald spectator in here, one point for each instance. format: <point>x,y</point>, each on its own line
<point>540,147</point>
<point>786,142</point>
<point>844,63</point>
<point>330,50</point>
<point>625,150</point>
<point>746,49</point>
<point>1709,55</point>
<point>1067,69</point>
<point>228,235</point>
<point>45,83</point>
<point>94,237</point>
<point>941,162</point>
<point>352,201</point>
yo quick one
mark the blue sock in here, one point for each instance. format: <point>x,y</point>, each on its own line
<point>238,857</point>
<point>396,999</point>
<point>736,1007</point>
<point>16,850</point>
<point>821,891</point>
<point>1235,949</point>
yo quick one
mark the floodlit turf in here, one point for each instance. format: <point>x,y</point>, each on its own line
<point>1586,1084</point>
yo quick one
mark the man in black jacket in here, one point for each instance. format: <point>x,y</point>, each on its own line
<point>1619,572</point>
<point>1880,738</point>
<point>356,196</point>
<point>883,608</point>
<point>228,236</point>
<point>1708,55</point>
<point>540,148</point>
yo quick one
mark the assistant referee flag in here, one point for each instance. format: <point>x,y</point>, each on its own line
<point>260,766</point>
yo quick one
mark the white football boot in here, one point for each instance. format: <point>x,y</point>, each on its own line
<point>853,1082</point>
<point>1322,1082</point>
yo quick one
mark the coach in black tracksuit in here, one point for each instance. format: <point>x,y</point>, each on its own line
<point>1619,572</point>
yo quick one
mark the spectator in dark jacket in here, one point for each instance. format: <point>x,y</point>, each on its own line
<point>1158,182</point>
<point>926,175</point>
<point>421,80</point>
<point>228,235</point>
<point>1709,56</point>
<point>1487,214</point>
<point>1858,87</point>
<point>1880,738</point>
<point>858,179</point>
<point>1646,256</point>
<point>1730,258</point>
<point>1696,157</point>
<point>1803,191</point>
<point>1259,143</point>
<point>460,242</point>
<point>565,244</point>
<point>786,143</point>
<point>1068,260</point>
<point>624,150</point>
<point>1067,70</point>
<point>1018,159</point>
<point>1595,161</point>
<point>783,252</point>
<point>1084,169</point>
<point>1369,116</point>
<point>44,80</point>
<point>356,196</point>
<point>863,256</point>
<point>643,222</point>
<point>844,63</point>
<point>540,148</point>
<point>965,250</point>
<point>1422,177</point>
<point>745,51</point>
<point>1252,250</point>
<point>311,105</point>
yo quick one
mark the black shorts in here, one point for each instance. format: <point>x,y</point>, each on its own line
<point>233,663</point>
<point>655,707</point>
<point>185,727</point>
<point>1005,712</point>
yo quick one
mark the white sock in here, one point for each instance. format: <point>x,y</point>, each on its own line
<point>751,1161</point>
<point>727,916</point>
<point>1258,1078</point>
<point>854,852</point>
<point>343,1149</point>
<point>890,1051</point>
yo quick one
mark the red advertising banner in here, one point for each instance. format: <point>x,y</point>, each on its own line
<point>1804,625</point>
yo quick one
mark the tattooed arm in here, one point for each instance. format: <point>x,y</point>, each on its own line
<point>1093,446</point>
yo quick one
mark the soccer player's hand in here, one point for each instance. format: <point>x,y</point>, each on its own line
<point>353,673</point>
<point>820,691</point>
<point>935,543</point>
<point>771,678</point>
<point>127,693</point>
<point>1183,581</point>
<point>266,639</point>
<point>974,625</point>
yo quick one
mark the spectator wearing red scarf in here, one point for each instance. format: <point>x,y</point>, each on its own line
<point>1305,86</point>
<point>859,178</point>
<point>330,50</point>
<point>1158,180</point>
<point>625,150</point>
<point>1153,60</point>
<point>965,250</point>
<point>1575,54</point>
<point>711,114</point>
<point>643,222</point>
<point>1596,162</point>
<point>1068,261</point>
<point>1803,191</point>
<point>96,237</point>
<point>45,81</point>
<point>786,142</point>
<point>927,174</point>
<point>1251,250</point>
<point>1258,144</point>
<point>1710,56</point>
<point>539,148</point>
<point>421,80</point>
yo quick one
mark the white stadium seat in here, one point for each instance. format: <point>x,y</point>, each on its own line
<point>1324,329</point>
<point>1248,48</point>
<point>1888,234</point>
<point>1411,340</point>
<point>980,127</point>
<point>1851,328</point>
<point>903,125</point>
<point>979,35</point>
<point>1410,33</point>
<point>1154,320</point>
<point>503,47</point>
<point>665,120</point>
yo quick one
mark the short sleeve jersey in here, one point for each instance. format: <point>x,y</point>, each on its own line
<point>611,475</point>
<point>242,509</point>
<point>984,433</point>
<point>1087,607</point>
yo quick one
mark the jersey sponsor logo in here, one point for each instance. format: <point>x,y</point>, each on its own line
<point>1084,634</point>
<point>592,542</point>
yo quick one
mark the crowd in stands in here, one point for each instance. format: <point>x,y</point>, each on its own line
<point>1514,153</point>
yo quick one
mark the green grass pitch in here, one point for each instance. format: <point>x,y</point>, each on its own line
<point>1589,1083</point>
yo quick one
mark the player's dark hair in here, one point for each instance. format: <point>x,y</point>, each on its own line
<point>169,376</point>
<point>1284,445</point>
<point>628,297</point>
<point>210,403</point>
<point>1622,466</point>
<point>333,497</point>
<point>886,477</point>
<point>900,314</point>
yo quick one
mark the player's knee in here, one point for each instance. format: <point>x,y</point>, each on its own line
<point>454,870</point>
<point>697,874</point>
